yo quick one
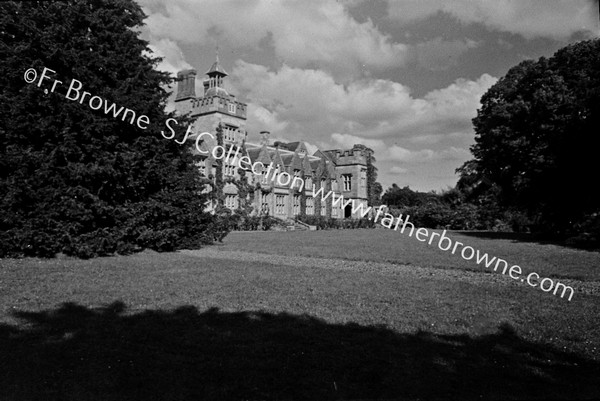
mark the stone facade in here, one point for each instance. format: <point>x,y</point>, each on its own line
<point>343,171</point>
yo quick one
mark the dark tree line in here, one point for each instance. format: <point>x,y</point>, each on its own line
<point>535,166</point>
<point>75,180</point>
<point>536,142</point>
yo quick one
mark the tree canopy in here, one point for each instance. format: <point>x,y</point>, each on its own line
<point>77,180</point>
<point>536,133</point>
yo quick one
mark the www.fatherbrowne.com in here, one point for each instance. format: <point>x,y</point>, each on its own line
<point>446,244</point>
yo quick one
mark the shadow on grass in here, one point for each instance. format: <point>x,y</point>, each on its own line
<point>76,353</point>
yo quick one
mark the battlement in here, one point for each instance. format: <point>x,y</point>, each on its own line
<point>215,98</point>
<point>346,157</point>
<point>232,107</point>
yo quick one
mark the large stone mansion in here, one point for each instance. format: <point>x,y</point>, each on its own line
<point>343,171</point>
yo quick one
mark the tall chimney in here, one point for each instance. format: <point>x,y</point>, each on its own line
<point>186,84</point>
<point>265,137</point>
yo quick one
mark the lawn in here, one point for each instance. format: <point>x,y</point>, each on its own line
<point>385,245</point>
<point>220,325</point>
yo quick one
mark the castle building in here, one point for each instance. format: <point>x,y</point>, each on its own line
<point>342,171</point>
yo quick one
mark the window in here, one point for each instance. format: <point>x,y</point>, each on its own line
<point>264,202</point>
<point>229,133</point>
<point>310,206</point>
<point>202,167</point>
<point>296,205</point>
<point>334,210</point>
<point>232,108</point>
<point>229,170</point>
<point>231,201</point>
<point>308,183</point>
<point>347,182</point>
<point>363,178</point>
<point>323,211</point>
<point>280,204</point>
<point>296,172</point>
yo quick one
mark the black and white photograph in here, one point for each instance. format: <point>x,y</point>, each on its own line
<point>299,200</point>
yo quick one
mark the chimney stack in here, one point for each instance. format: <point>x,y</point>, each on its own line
<point>265,137</point>
<point>186,85</point>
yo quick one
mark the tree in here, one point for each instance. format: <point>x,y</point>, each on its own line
<point>78,180</point>
<point>405,197</point>
<point>535,138</point>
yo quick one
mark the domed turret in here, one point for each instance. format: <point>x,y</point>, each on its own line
<point>213,85</point>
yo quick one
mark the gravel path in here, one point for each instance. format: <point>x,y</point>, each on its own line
<point>476,278</point>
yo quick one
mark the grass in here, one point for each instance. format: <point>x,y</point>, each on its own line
<point>385,245</point>
<point>181,326</point>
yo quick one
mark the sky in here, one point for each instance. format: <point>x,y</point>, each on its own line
<point>402,77</point>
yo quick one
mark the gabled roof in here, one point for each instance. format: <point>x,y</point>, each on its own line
<point>276,157</point>
<point>331,155</point>
<point>321,170</point>
<point>253,153</point>
<point>287,159</point>
<point>331,169</point>
<point>263,156</point>
<point>306,167</point>
<point>296,163</point>
<point>324,155</point>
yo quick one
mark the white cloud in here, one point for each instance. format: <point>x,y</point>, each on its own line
<point>314,106</point>
<point>265,119</point>
<point>303,33</point>
<point>173,59</point>
<point>530,18</point>
<point>398,153</point>
<point>318,85</point>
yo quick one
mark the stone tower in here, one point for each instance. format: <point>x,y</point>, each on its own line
<point>351,172</point>
<point>215,105</point>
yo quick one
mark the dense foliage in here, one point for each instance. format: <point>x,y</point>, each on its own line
<point>76,180</point>
<point>535,142</point>
<point>452,210</point>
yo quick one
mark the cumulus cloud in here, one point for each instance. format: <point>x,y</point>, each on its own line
<point>396,153</point>
<point>316,81</point>
<point>303,33</point>
<point>557,19</point>
<point>313,105</point>
<point>172,56</point>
